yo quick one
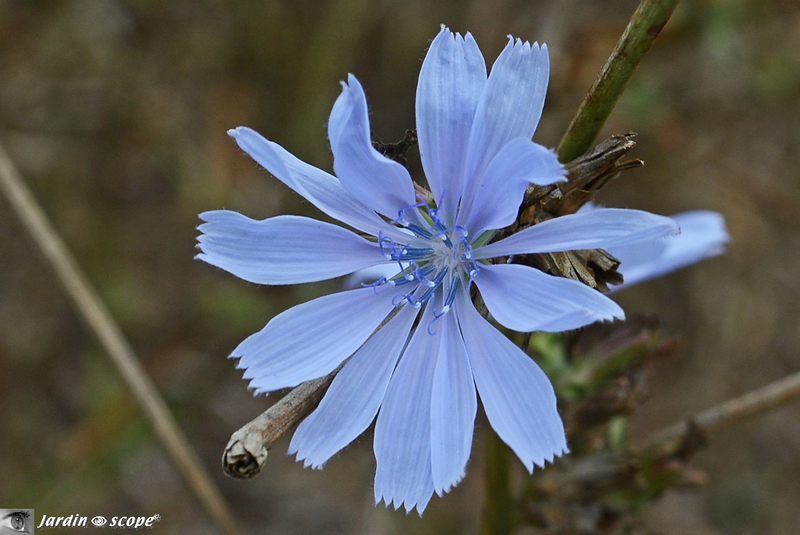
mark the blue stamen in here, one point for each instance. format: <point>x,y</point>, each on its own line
<point>408,277</point>
<point>448,302</point>
<point>397,300</point>
<point>437,281</point>
<point>466,253</point>
<point>451,296</point>
<point>421,274</point>
<point>375,284</point>
<point>437,222</point>
<point>430,325</point>
<point>401,281</point>
<point>401,220</point>
<point>429,267</point>
<point>413,253</point>
<point>474,269</point>
<point>419,231</point>
<point>443,232</point>
<point>381,241</point>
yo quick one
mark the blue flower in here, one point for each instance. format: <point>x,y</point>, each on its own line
<point>420,371</point>
<point>703,235</point>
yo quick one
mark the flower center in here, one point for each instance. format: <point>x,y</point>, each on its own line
<point>434,261</point>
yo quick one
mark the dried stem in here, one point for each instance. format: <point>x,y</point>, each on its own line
<point>246,452</point>
<point>100,322</point>
<point>643,28</point>
<point>756,402</point>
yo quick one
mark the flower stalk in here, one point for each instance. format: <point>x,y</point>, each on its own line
<point>246,452</point>
<point>643,28</point>
<point>499,509</point>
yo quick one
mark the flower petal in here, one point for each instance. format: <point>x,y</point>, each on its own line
<point>310,340</point>
<point>320,188</point>
<point>525,299</point>
<point>495,203</point>
<point>403,430</point>
<point>510,106</point>
<point>282,250</point>
<point>453,407</point>
<point>353,399</point>
<point>703,235</point>
<point>516,394</point>
<point>602,228</point>
<point>450,84</point>
<point>378,182</point>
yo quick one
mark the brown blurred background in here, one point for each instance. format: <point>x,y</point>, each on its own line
<point>115,111</point>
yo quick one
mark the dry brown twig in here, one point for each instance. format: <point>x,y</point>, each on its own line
<point>758,401</point>
<point>247,449</point>
<point>101,323</point>
<point>246,452</point>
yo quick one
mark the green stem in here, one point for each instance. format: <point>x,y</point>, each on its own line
<point>645,25</point>
<point>498,508</point>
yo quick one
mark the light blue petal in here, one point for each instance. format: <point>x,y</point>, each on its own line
<point>510,106</point>
<point>453,407</point>
<point>310,340</point>
<point>525,299</point>
<point>516,394</point>
<point>320,188</point>
<point>601,228</point>
<point>496,200</point>
<point>353,399</point>
<point>450,84</point>
<point>282,250</point>
<point>378,182</point>
<point>403,429</point>
<point>703,235</point>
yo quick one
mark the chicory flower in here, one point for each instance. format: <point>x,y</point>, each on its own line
<point>420,370</point>
<point>703,235</point>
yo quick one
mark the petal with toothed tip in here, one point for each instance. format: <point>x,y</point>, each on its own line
<point>320,188</point>
<point>517,396</point>
<point>353,399</point>
<point>596,229</point>
<point>311,339</point>
<point>450,85</point>
<point>282,250</point>
<point>453,407</point>
<point>703,235</point>
<point>510,106</point>
<point>403,430</point>
<point>378,182</point>
<point>525,299</point>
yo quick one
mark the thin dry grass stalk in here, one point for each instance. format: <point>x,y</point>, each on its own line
<point>101,323</point>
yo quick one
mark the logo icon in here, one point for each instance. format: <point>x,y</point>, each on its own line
<point>16,520</point>
<point>99,521</point>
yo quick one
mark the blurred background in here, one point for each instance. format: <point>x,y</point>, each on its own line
<point>115,112</point>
